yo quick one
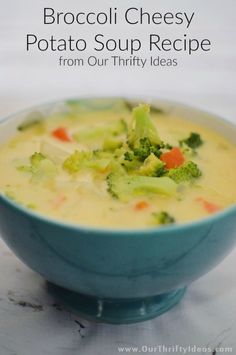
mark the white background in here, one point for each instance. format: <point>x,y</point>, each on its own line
<point>207,314</point>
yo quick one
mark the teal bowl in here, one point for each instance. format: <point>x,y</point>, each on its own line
<point>117,276</point>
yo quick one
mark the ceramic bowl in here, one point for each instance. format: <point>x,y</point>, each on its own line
<point>117,276</point>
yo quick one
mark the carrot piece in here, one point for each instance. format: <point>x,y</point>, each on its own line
<point>142,205</point>
<point>62,134</point>
<point>209,206</point>
<point>58,201</point>
<point>173,158</point>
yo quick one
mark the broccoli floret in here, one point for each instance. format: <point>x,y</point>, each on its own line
<point>113,160</point>
<point>146,148</point>
<point>152,166</point>
<point>129,161</point>
<point>75,162</point>
<point>79,160</point>
<point>129,106</point>
<point>100,165</point>
<point>193,141</point>
<point>163,218</point>
<point>144,160</point>
<point>186,172</point>
<point>40,167</point>
<point>142,127</point>
<point>110,144</point>
<point>131,165</point>
<point>36,158</point>
<point>129,156</point>
<point>99,154</point>
<point>125,187</point>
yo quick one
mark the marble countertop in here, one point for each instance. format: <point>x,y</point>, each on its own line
<point>33,323</point>
<point>31,320</point>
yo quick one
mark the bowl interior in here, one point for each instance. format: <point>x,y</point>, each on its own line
<point>9,125</point>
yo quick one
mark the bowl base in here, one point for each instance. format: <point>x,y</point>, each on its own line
<point>116,311</point>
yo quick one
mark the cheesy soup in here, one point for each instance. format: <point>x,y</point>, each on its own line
<point>129,167</point>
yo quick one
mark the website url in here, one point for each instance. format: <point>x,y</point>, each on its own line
<point>175,349</point>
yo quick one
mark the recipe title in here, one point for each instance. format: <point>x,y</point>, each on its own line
<point>154,43</point>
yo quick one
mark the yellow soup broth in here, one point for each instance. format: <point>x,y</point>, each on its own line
<point>81,195</point>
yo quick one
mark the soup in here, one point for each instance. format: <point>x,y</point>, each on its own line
<point>126,167</point>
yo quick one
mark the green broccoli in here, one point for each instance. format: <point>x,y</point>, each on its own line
<point>186,172</point>
<point>163,218</point>
<point>152,166</point>
<point>40,166</point>
<point>142,127</point>
<point>110,144</point>
<point>125,187</point>
<point>35,159</point>
<point>87,160</point>
<point>100,154</point>
<point>100,165</point>
<point>143,138</point>
<point>114,160</point>
<point>75,161</point>
<point>144,159</point>
<point>193,141</point>
<point>129,161</point>
<point>129,156</point>
<point>146,148</point>
<point>129,106</point>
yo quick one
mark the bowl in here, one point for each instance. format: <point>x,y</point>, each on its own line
<point>117,276</point>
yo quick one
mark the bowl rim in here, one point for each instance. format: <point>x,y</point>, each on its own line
<point>38,216</point>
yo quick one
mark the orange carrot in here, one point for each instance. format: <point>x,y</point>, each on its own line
<point>173,158</point>
<point>58,201</point>
<point>142,205</point>
<point>209,206</point>
<point>62,134</point>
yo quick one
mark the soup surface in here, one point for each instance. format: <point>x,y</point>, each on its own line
<point>125,167</point>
